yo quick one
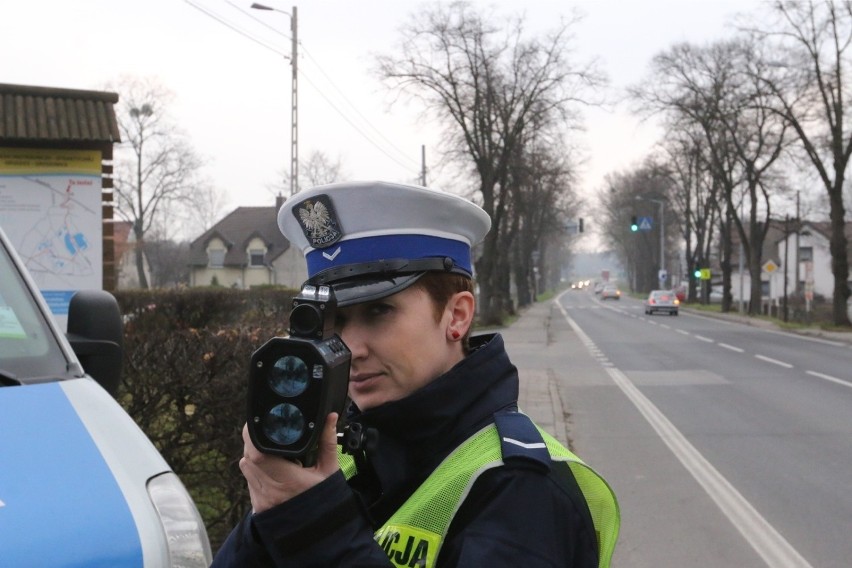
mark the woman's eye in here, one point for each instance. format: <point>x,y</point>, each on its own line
<point>377,310</point>
<point>339,322</point>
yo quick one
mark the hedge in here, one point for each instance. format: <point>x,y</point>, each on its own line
<point>184,382</point>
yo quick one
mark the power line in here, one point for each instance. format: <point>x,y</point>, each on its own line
<point>353,107</point>
<point>226,23</point>
<point>259,21</point>
<point>248,35</point>
<point>357,129</point>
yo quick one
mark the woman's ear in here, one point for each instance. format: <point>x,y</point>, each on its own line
<point>461,308</point>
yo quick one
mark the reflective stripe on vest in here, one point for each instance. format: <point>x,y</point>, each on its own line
<point>414,534</point>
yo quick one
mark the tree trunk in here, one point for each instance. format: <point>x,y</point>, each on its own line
<point>839,257</point>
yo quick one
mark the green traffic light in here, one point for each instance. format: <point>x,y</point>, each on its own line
<point>697,273</point>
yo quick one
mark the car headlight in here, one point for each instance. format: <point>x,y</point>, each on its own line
<point>186,536</point>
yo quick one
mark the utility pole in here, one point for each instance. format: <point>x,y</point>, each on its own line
<point>294,111</point>
<point>798,226</point>
<point>661,204</point>
<point>294,94</point>
<point>423,165</point>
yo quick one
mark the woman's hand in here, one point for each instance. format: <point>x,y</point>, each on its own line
<point>273,480</point>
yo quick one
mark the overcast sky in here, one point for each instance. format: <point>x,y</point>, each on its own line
<point>233,93</point>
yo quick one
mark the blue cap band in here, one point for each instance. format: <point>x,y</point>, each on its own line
<point>384,247</point>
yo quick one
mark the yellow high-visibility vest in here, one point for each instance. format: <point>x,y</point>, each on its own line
<point>414,534</point>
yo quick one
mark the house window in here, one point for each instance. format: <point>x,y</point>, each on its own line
<point>256,257</point>
<point>216,257</point>
<point>806,254</point>
<point>764,288</point>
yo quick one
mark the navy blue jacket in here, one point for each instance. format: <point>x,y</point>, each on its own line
<point>515,515</point>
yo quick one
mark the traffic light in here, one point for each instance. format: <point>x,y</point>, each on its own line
<point>697,273</point>
<point>634,224</point>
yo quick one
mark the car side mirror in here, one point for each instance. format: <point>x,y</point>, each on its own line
<point>96,335</point>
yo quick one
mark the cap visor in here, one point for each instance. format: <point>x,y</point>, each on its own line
<point>369,289</point>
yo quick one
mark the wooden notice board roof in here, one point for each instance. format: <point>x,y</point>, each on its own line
<point>46,115</point>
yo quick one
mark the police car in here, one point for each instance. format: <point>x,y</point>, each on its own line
<point>80,483</point>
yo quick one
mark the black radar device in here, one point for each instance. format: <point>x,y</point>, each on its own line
<point>295,382</point>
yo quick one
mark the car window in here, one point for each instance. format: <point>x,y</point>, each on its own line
<point>27,346</point>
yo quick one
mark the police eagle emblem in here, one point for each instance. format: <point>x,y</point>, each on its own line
<point>318,221</point>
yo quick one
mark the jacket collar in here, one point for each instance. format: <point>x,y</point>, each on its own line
<point>417,432</point>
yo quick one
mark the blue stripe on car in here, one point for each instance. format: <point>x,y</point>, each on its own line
<point>53,481</point>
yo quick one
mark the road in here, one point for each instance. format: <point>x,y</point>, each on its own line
<point>727,445</point>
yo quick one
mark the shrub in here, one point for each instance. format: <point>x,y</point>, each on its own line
<point>184,382</point>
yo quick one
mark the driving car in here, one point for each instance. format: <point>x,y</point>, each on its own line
<point>610,292</point>
<point>662,301</point>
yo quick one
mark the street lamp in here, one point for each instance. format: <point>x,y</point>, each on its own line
<point>662,235</point>
<point>294,122</point>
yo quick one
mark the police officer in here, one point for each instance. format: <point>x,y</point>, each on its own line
<point>451,474</point>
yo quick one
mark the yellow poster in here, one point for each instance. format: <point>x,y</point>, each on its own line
<point>28,161</point>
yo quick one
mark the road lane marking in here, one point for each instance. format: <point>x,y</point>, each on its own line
<point>830,378</point>
<point>774,361</point>
<point>766,541</point>
<point>682,332</point>
<point>702,338</point>
<point>763,329</point>
<point>732,348</point>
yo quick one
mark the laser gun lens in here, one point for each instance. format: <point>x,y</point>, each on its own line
<point>284,424</point>
<point>306,320</point>
<point>289,376</point>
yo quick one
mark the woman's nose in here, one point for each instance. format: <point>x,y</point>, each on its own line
<point>354,340</point>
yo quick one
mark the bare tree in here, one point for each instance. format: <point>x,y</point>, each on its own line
<point>687,165</point>
<point>810,85</point>
<point>638,252</point>
<point>487,85</point>
<point>543,200</point>
<point>157,170</point>
<point>713,88</point>
<point>318,169</point>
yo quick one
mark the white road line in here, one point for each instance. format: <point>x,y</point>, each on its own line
<point>666,326</point>
<point>766,541</point>
<point>774,361</point>
<point>830,378</point>
<point>702,338</point>
<point>732,348</point>
<point>682,332</point>
<point>763,329</point>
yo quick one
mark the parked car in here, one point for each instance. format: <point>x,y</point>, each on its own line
<point>610,292</point>
<point>80,484</point>
<point>662,301</point>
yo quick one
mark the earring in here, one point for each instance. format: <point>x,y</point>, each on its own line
<point>455,334</point>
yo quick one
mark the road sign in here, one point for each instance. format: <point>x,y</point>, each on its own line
<point>769,266</point>
<point>662,275</point>
<point>645,223</point>
<point>705,274</point>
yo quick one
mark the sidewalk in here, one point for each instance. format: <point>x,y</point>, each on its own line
<point>528,342</point>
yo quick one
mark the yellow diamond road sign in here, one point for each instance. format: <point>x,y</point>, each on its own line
<point>770,266</point>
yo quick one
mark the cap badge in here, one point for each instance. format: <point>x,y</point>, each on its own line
<point>318,220</point>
